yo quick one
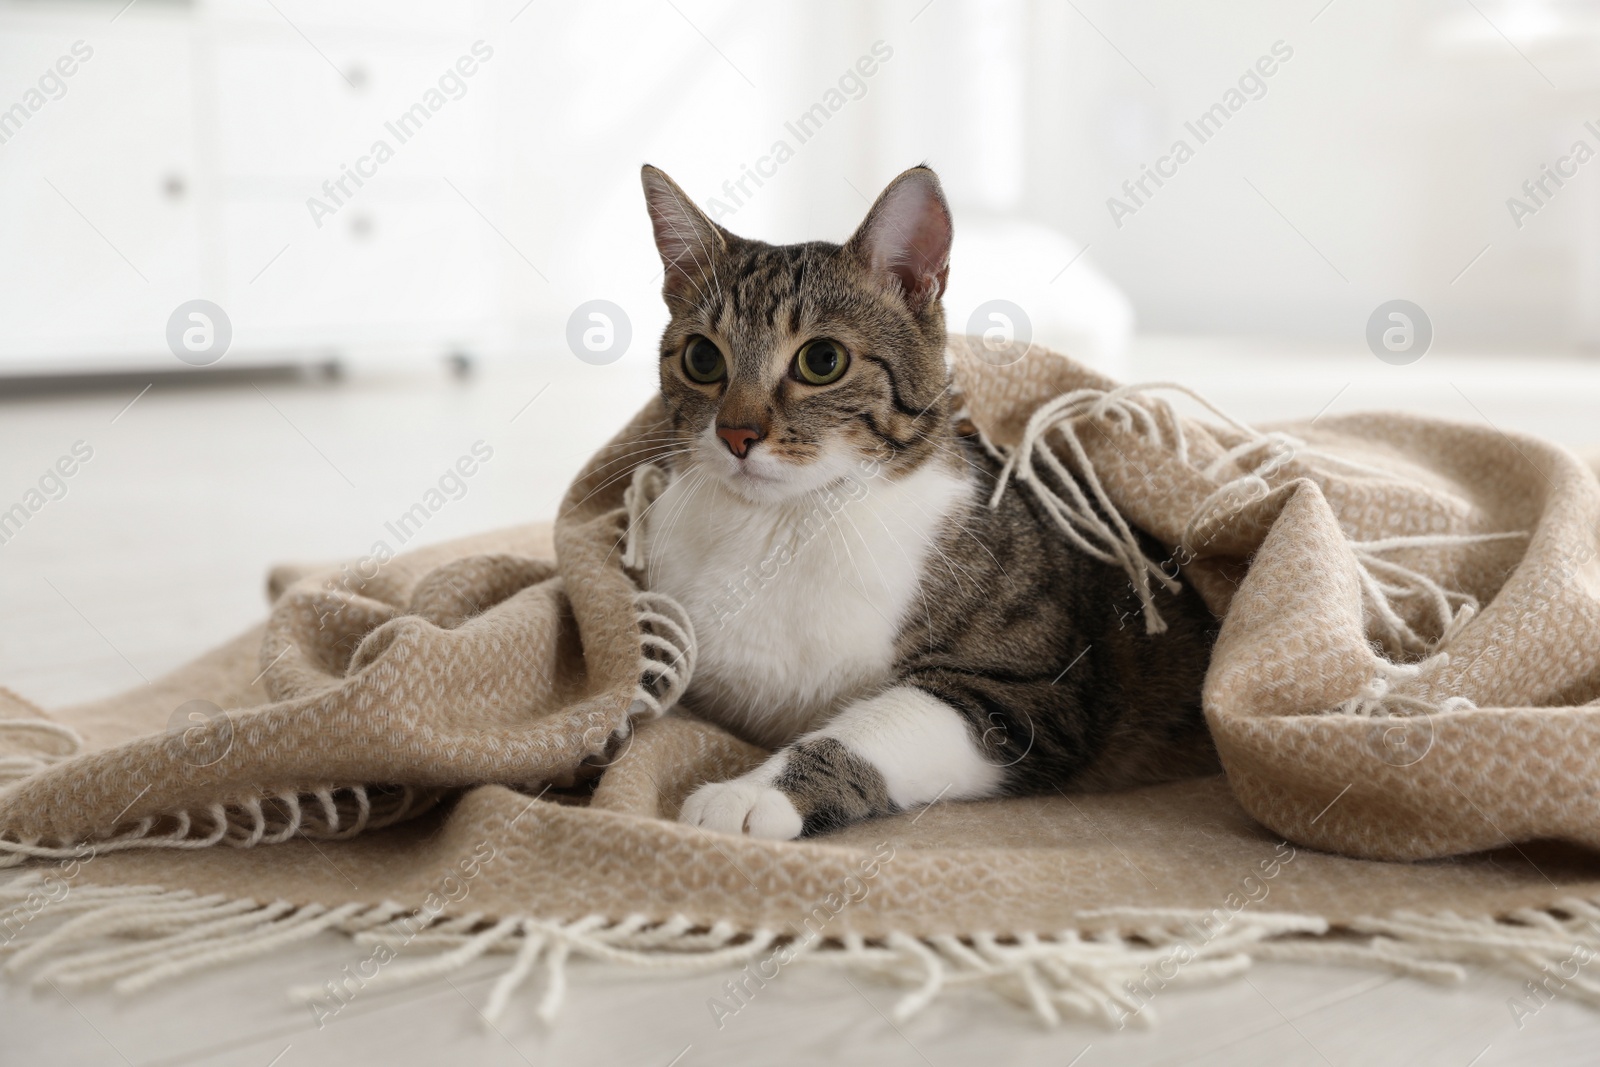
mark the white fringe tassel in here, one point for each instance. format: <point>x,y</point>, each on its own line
<point>328,812</point>
<point>649,482</point>
<point>130,938</point>
<point>15,768</point>
<point>666,665</point>
<point>666,636</point>
<point>1098,529</point>
<point>666,654</point>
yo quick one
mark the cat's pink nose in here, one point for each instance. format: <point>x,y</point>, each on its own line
<point>738,438</point>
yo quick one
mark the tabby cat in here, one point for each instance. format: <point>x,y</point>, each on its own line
<point>859,607</point>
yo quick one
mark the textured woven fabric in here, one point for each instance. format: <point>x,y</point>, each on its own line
<point>1373,699</point>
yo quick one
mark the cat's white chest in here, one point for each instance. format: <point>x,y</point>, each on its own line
<point>796,605</point>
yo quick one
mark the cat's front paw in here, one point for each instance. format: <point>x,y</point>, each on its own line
<point>743,807</point>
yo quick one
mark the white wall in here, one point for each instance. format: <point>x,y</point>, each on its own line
<point>1390,140</point>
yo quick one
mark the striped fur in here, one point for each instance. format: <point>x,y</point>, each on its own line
<point>893,638</point>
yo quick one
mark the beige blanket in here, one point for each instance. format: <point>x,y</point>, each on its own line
<point>463,751</point>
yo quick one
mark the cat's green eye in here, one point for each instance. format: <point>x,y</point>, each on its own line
<point>703,362</point>
<point>821,362</point>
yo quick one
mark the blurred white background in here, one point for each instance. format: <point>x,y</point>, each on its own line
<point>1221,195</point>
<point>1375,162</point>
<point>1337,155</point>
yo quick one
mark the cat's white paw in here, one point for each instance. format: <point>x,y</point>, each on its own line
<point>742,807</point>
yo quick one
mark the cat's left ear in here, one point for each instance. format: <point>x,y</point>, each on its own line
<point>907,235</point>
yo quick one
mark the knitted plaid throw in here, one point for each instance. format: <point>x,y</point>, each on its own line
<point>1409,648</point>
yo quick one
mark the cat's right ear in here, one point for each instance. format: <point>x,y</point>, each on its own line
<point>688,241</point>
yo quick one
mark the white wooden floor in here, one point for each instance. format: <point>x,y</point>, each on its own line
<point>158,549</point>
